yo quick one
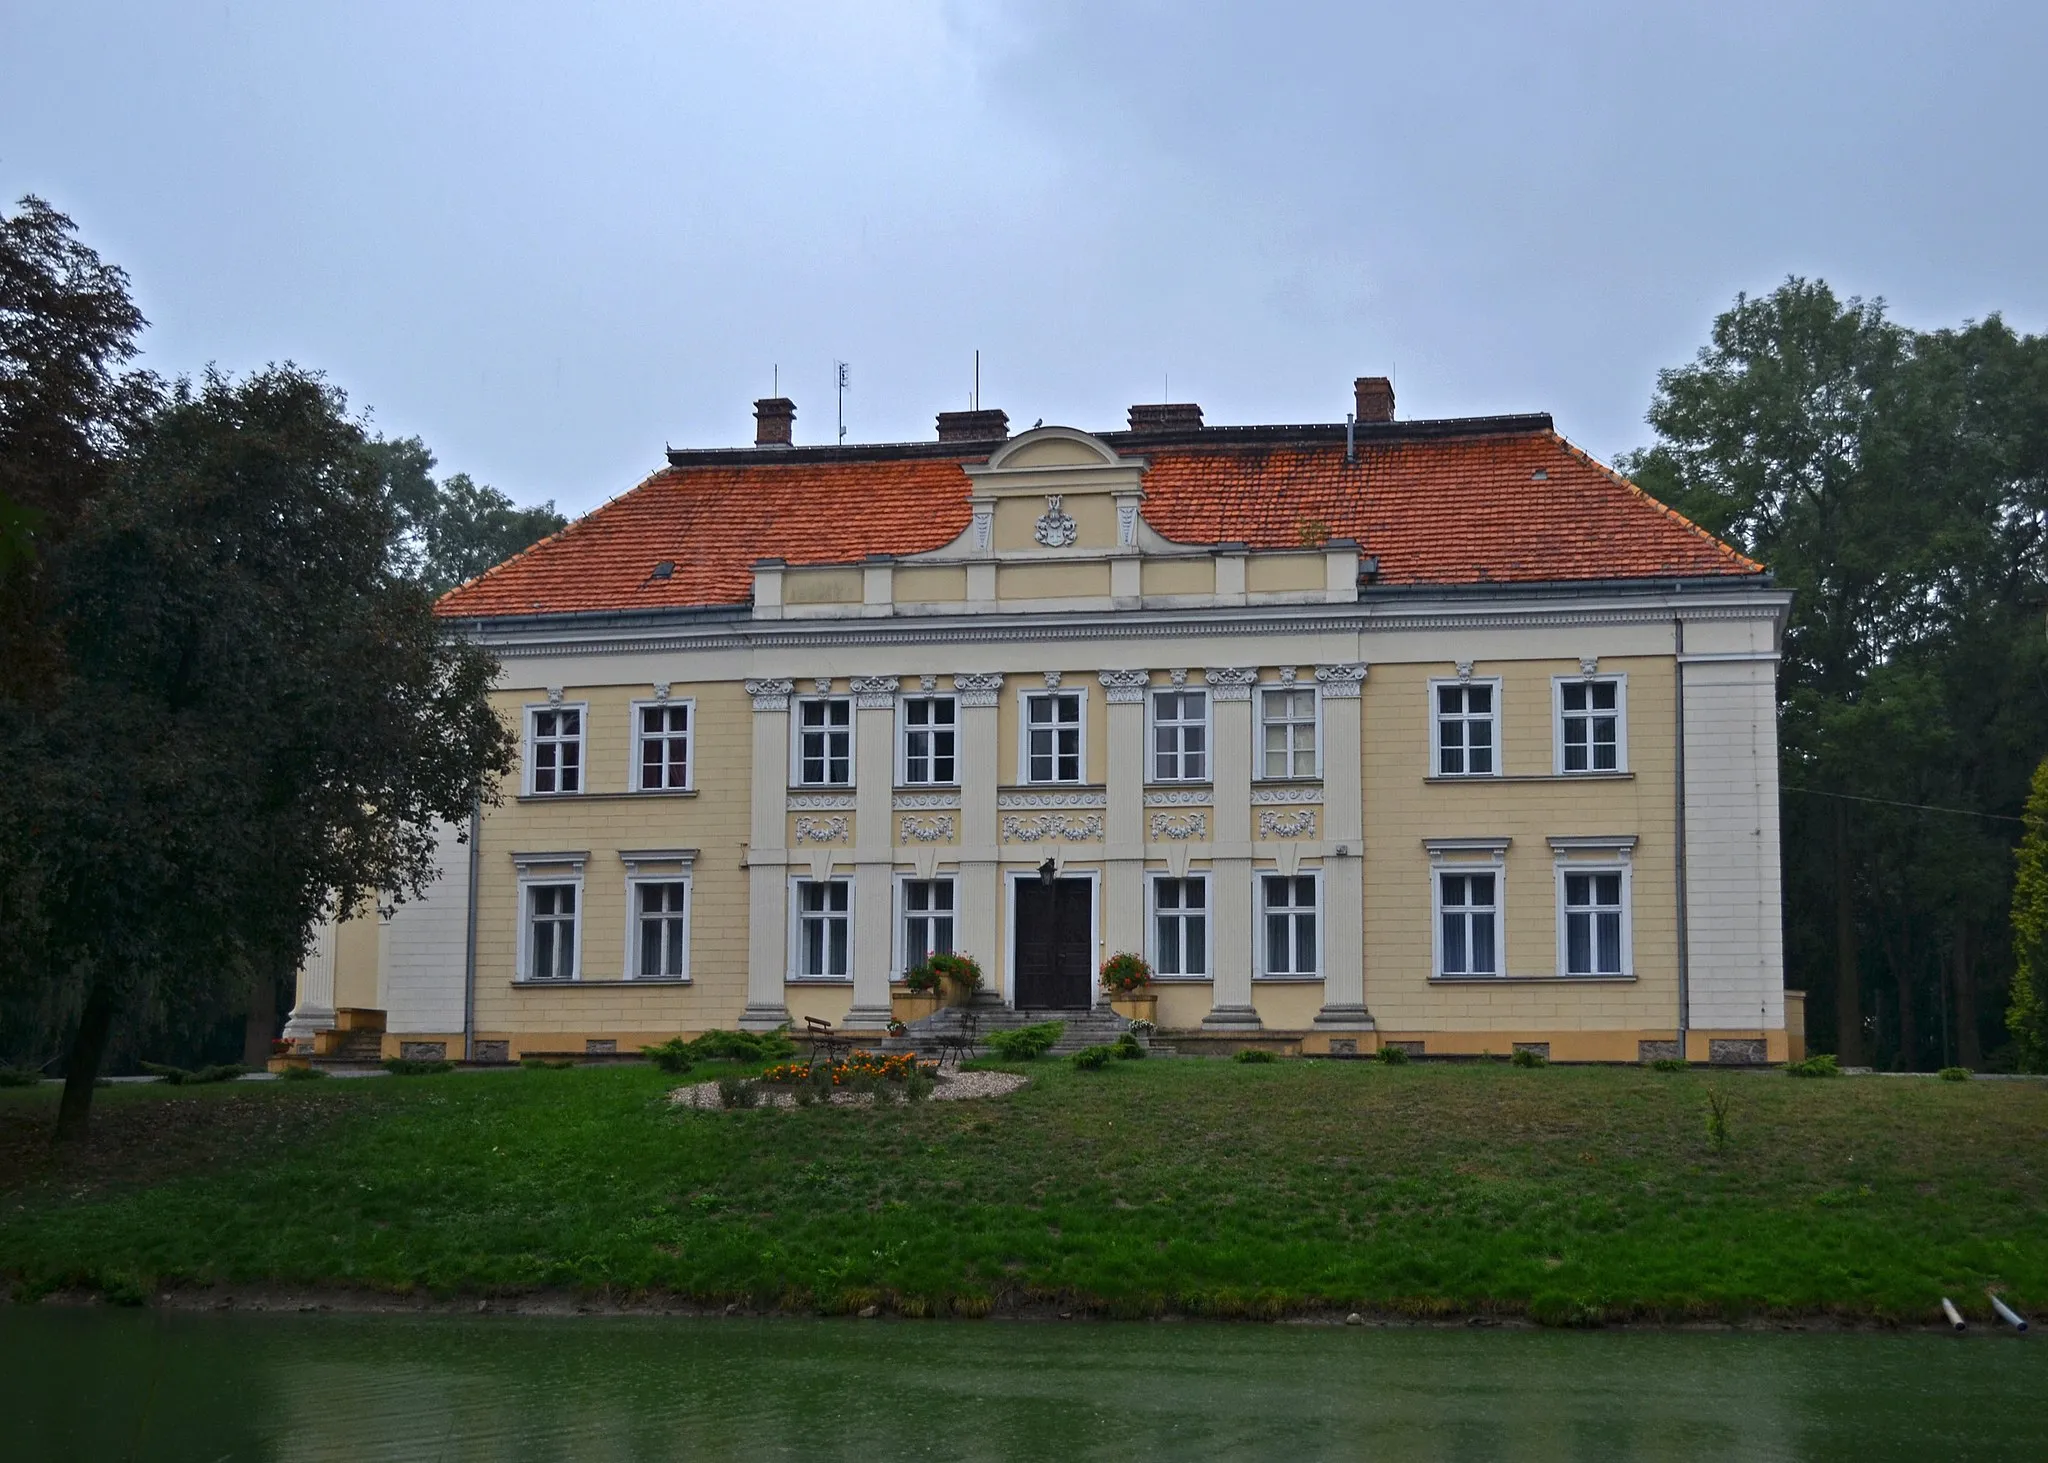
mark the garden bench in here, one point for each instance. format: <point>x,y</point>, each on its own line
<point>823,1039</point>
<point>960,1044</point>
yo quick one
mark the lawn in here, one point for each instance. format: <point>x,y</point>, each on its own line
<point>1196,1187</point>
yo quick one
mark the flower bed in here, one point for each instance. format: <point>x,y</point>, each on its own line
<point>872,1066</point>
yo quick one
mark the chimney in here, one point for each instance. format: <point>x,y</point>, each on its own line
<point>1375,398</point>
<point>991,425</point>
<point>774,421</point>
<point>1166,416</point>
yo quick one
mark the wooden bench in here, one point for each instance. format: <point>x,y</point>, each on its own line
<point>825,1040</point>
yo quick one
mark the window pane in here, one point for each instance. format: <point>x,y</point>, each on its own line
<point>1573,696</point>
<point>1276,944</point>
<point>1479,700</point>
<point>835,894</point>
<point>1603,695</point>
<point>1482,944</point>
<point>1609,923</point>
<point>1482,889</point>
<point>1194,893</point>
<point>1167,944</point>
<point>1610,890</point>
<point>1166,893</point>
<point>1304,943</point>
<point>839,934</point>
<point>1577,889</point>
<point>1454,942</point>
<point>1196,940</point>
<point>1577,956</point>
<point>1449,700</point>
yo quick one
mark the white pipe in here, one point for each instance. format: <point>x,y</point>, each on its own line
<point>2007,1314</point>
<point>1955,1317</point>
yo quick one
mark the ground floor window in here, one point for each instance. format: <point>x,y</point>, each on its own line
<point>1180,927</point>
<point>927,919</point>
<point>1592,923</point>
<point>551,931</point>
<point>662,930</point>
<point>824,944</point>
<point>1468,920</point>
<point>1290,918</point>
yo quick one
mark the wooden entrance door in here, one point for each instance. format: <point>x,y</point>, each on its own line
<point>1053,942</point>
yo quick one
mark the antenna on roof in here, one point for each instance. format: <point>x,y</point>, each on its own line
<point>839,369</point>
<point>776,389</point>
<point>1165,387</point>
<point>977,381</point>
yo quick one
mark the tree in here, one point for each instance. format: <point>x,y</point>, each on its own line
<point>453,530</point>
<point>261,724</point>
<point>2027,1016</point>
<point>1895,481</point>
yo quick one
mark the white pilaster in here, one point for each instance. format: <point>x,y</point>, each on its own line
<point>313,1011</point>
<point>1230,694</point>
<point>874,860</point>
<point>767,859</point>
<point>1124,850</point>
<point>978,890</point>
<point>1344,1006</point>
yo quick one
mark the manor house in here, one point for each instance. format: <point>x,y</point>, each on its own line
<point>1430,732</point>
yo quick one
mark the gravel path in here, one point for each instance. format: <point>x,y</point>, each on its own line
<point>950,1087</point>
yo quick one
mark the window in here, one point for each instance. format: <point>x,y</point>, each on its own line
<point>927,919</point>
<point>1180,736</point>
<point>1052,736</point>
<point>551,931</point>
<point>556,742</point>
<point>662,939</point>
<point>1180,928</point>
<point>1290,923</point>
<point>930,730</point>
<point>824,741</point>
<point>1464,728</point>
<point>663,759</point>
<point>1287,717</point>
<point>824,930</point>
<point>1468,916</point>
<point>1590,732</point>
<point>1594,942</point>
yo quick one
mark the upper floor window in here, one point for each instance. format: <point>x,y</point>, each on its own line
<point>1594,931</point>
<point>1465,719</point>
<point>1591,724</point>
<point>824,741</point>
<point>824,929</point>
<point>927,919</point>
<point>550,943</point>
<point>930,727</point>
<point>661,934</point>
<point>1468,923</point>
<point>1180,736</point>
<point>663,754</point>
<point>1287,722</point>
<point>1180,927</point>
<point>555,749</point>
<point>1052,736</point>
<point>1290,911</point>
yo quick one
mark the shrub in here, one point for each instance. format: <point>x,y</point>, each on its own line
<point>1523,1057</point>
<point>672,1056</point>
<point>918,1086</point>
<point>1955,1074</point>
<point>922,980</point>
<point>1129,1048</point>
<point>1394,1056</point>
<point>806,1094</point>
<point>1026,1042</point>
<point>1093,1058</point>
<point>1823,1065</point>
<point>179,1077</point>
<point>415,1067</point>
<point>741,1046</point>
<point>1669,1064</point>
<point>1253,1054</point>
<point>1125,974</point>
<point>300,1074</point>
<point>1717,1118</point>
<point>19,1076</point>
<point>738,1092</point>
<point>962,972</point>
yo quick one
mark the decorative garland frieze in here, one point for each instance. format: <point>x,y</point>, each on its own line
<point>770,695</point>
<point>821,830</point>
<point>1092,797</point>
<point>1053,826</point>
<point>927,830</point>
<point>1180,826</point>
<point>1297,823</point>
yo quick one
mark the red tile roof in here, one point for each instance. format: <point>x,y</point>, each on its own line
<point>1435,507</point>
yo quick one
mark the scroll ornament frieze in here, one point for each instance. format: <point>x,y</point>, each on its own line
<point>821,830</point>
<point>913,802</point>
<point>1056,827</point>
<point>772,695</point>
<point>1180,826</point>
<point>1285,796</point>
<point>821,802</point>
<point>1179,797</point>
<point>1295,823</point>
<point>927,830</point>
<point>1083,798</point>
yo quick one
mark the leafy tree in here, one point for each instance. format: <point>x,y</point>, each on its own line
<point>2027,1016</point>
<point>262,721</point>
<point>452,530</point>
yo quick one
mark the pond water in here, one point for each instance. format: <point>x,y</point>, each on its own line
<point>108,1384</point>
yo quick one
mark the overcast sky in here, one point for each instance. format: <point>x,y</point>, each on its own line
<point>552,238</point>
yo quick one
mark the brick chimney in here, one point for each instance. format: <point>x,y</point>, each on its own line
<point>774,421</point>
<point>989,425</point>
<point>1375,398</point>
<point>1166,416</point>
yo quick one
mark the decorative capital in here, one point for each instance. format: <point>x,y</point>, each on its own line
<point>874,693</point>
<point>1231,683</point>
<point>770,695</point>
<point>978,688</point>
<point>1340,682</point>
<point>1124,688</point>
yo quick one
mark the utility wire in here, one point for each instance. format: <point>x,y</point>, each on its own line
<point>1850,797</point>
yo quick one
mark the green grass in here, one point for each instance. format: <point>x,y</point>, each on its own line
<point>1193,1186</point>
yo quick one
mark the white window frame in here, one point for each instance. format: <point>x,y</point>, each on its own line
<point>634,882</point>
<point>903,732</point>
<point>1152,878</point>
<point>1496,866</point>
<point>1180,753</point>
<point>796,930</point>
<point>796,739</point>
<point>528,883</point>
<point>1587,855</point>
<point>1024,700</point>
<point>636,771</point>
<point>899,941</point>
<point>582,739</point>
<point>1263,952</point>
<point>1436,748</point>
<point>1619,680</point>
<point>1259,729</point>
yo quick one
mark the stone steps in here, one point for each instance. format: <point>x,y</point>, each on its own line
<point>1098,1027</point>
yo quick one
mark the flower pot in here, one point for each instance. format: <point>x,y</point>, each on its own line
<point>908,1006</point>
<point>1138,1006</point>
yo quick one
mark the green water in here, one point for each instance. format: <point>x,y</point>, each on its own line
<point>104,1384</point>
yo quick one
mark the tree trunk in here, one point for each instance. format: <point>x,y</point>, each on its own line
<point>82,1064</point>
<point>1848,982</point>
<point>1909,1009</point>
<point>259,1029</point>
<point>1969,1053</point>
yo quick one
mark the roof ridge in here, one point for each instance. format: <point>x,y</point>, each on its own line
<point>1657,503</point>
